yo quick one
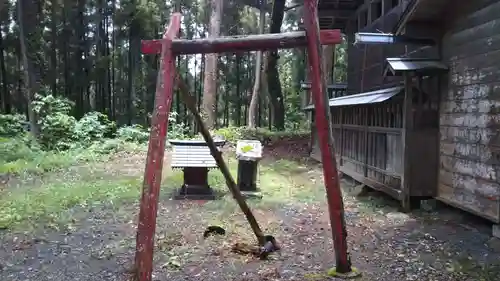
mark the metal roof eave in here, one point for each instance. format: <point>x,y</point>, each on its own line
<point>363,98</point>
<point>337,86</point>
<point>423,66</point>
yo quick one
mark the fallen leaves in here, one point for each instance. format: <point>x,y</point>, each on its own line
<point>26,244</point>
<point>385,244</point>
<point>245,249</point>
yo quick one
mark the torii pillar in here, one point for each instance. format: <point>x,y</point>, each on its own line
<point>170,47</point>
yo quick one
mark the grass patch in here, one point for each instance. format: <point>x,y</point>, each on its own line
<point>49,202</point>
<point>38,161</point>
<point>287,181</point>
<point>45,162</point>
<point>280,182</point>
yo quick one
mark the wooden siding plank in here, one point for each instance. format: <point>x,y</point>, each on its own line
<point>478,61</point>
<point>473,152</point>
<point>473,91</point>
<point>476,106</point>
<point>484,14</point>
<point>470,168</point>
<point>479,120</point>
<point>478,46</point>
<point>465,135</point>
<point>469,111</point>
<point>469,201</point>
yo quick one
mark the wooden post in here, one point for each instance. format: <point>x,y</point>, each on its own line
<point>407,129</point>
<point>341,142</point>
<point>313,134</point>
<point>241,43</point>
<point>323,122</point>
<point>163,100</point>
<point>366,119</point>
<point>154,164</point>
<point>191,105</point>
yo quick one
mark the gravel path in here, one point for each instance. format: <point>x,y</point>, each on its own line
<point>385,245</point>
<point>98,245</point>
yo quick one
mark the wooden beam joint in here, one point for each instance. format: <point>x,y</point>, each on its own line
<point>241,43</point>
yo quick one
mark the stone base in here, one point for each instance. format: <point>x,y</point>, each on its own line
<point>195,192</point>
<point>363,190</point>
<point>429,205</point>
<point>496,230</point>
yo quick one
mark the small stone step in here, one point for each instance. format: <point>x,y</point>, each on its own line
<point>496,230</point>
<point>429,204</point>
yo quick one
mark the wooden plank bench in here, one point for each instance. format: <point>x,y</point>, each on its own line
<point>195,160</point>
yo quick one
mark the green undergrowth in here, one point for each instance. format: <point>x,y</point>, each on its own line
<point>20,158</point>
<point>46,204</point>
<point>64,165</point>
<point>233,134</point>
<point>280,182</point>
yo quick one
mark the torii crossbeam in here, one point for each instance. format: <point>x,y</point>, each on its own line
<point>170,47</point>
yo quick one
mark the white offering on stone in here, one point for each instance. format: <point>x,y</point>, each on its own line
<point>249,150</point>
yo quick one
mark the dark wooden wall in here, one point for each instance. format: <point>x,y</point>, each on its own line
<point>468,35</point>
<point>470,109</point>
<point>366,63</point>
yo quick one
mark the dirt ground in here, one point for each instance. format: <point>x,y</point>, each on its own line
<point>99,242</point>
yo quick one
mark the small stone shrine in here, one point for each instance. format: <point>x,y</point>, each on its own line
<point>248,153</point>
<point>195,160</point>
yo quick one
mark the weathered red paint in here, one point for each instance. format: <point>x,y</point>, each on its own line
<point>190,102</point>
<point>241,43</point>
<point>153,173</point>
<point>169,48</point>
<point>322,117</point>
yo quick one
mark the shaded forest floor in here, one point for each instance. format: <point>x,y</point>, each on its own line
<point>79,224</point>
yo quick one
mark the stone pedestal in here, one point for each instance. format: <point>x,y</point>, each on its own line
<point>496,230</point>
<point>195,186</point>
<point>247,178</point>
<point>195,159</point>
<point>248,152</point>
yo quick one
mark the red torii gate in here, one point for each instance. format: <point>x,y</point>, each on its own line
<point>170,47</point>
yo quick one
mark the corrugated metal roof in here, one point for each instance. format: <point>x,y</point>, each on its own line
<point>338,86</point>
<point>363,98</point>
<point>398,65</point>
<point>192,156</point>
<point>218,141</point>
<point>193,153</point>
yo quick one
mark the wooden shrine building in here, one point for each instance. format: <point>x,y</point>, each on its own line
<point>420,115</point>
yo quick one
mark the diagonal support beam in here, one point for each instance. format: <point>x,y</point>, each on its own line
<point>191,105</point>
<point>156,151</point>
<point>169,47</point>
<point>325,136</point>
<point>241,43</point>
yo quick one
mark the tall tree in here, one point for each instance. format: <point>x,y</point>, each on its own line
<point>210,81</point>
<point>134,57</point>
<point>30,83</point>
<point>5,100</point>
<point>328,63</point>
<point>273,79</point>
<point>88,51</point>
<point>254,102</point>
